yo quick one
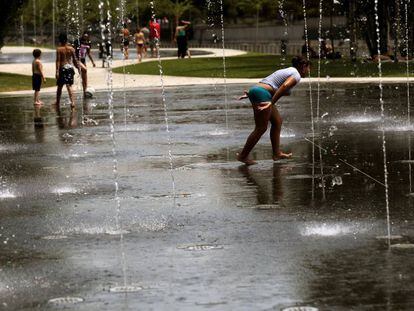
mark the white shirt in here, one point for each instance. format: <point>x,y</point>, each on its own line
<point>276,79</point>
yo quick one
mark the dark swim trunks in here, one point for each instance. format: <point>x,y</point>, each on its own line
<point>36,81</point>
<point>66,74</point>
<point>126,42</point>
<point>259,95</point>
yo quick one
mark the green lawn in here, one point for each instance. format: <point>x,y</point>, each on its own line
<point>259,65</point>
<point>12,82</point>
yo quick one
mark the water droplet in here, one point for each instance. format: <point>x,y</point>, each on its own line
<point>65,300</point>
<point>403,247</point>
<point>126,289</point>
<point>337,181</point>
<point>199,247</point>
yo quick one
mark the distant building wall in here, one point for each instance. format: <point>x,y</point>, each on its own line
<point>267,38</point>
<point>265,33</point>
<point>273,47</point>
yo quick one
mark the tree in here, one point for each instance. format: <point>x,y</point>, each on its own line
<point>8,13</point>
<point>391,14</point>
<point>258,6</point>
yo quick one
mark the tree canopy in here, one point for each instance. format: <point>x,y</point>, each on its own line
<point>84,15</point>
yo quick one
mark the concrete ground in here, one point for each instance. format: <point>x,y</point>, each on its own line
<point>299,232</point>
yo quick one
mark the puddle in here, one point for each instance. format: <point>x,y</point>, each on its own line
<point>200,247</point>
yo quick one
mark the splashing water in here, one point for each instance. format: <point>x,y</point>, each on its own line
<point>167,127</point>
<point>326,230</point>
<point>319,57</point>
<point>407,47</point>
<point>126,289</point>
<point>109,81</point>
<point>122,6</point>
<point>65,300</point>
<point>285,33</point>
<point>310,99</point>
<point>384,148</point>
<point>5,191</point>
<point>7,194</point>
<point>224,63</point>
<point>215,10</point>
<point>318,118</point>
<point>164,102</point>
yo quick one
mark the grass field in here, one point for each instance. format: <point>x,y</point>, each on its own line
<point>260,65</point>
<point>12,82</point>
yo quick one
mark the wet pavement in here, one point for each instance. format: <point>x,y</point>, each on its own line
<point>263,237</point>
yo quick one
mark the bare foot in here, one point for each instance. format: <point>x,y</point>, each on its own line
<point>282,155</point>
<point>245,160</point>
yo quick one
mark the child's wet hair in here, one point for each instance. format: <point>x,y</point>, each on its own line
<point>299,62</point>
<point>37,53</point>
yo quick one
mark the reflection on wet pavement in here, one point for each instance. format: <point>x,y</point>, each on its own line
<point>238,238</point>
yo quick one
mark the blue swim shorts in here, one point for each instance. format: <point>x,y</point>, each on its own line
<point>259,95</point>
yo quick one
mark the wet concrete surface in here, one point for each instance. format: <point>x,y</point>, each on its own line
<point>235,237</point>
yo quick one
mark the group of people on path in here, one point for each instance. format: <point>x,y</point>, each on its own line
<point>144,38</point>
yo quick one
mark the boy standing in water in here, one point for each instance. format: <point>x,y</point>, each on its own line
<point>65,72</point>
<point>37,75</point>
<point>263,97</point>
<point>83,49</point>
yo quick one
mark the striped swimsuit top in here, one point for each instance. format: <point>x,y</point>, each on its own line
<point>276,79</point>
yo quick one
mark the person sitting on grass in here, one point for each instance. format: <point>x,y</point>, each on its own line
<point>263,97</point>
<point>37,75</point>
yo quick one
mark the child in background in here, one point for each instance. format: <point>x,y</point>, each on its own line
<point>37,75</point>
<point>140,43</point>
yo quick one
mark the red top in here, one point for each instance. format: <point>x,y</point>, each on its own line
<point>155,30</point>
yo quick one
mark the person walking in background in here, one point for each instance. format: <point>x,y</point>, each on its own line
<point>181,39</point>
<point>154,37</point>
<point>263,97</point>
<point>83,49</point>
<point>125,41</point>
<point>140,44</point>
<point>37,76</point>
<point>146,33</point>
<point>65,72</point>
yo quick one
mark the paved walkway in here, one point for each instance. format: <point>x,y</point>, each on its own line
<point>98,79</point>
